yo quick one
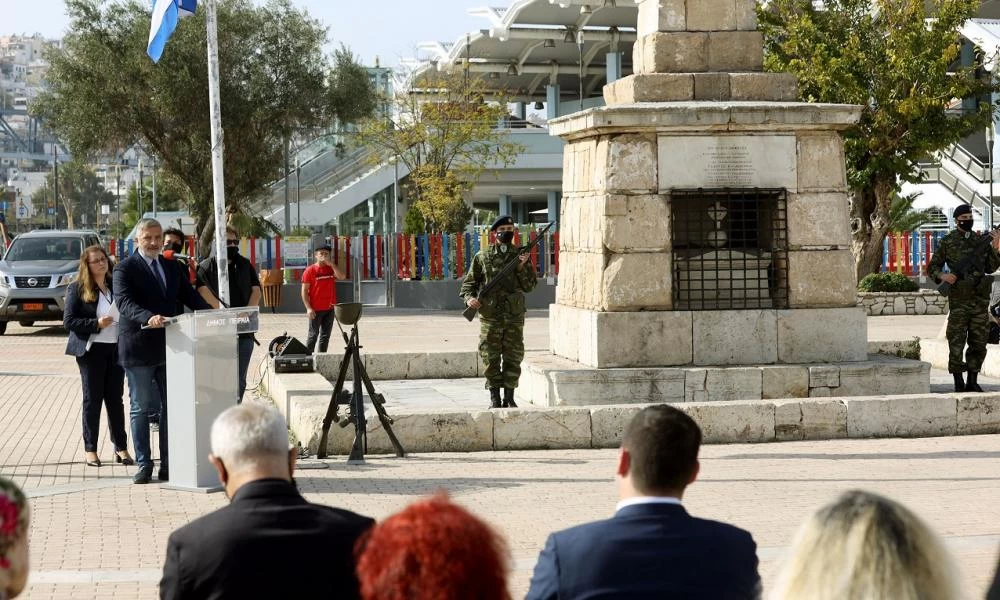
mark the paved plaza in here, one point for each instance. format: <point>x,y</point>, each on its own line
<point>94,534</point>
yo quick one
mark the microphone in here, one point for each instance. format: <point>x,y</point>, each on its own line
<point>171,255</point>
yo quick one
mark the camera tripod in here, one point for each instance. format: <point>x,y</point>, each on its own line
<point>356,415</point>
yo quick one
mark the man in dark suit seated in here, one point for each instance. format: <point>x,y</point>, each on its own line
<point>269,542</point>
<point>652,547</point>
<point>147,291</point>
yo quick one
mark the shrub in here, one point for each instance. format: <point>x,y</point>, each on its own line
<point>887,282</point>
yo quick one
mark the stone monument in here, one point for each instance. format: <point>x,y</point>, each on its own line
<point>704,227</point>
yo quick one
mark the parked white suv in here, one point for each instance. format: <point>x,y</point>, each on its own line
<point>34,274</point>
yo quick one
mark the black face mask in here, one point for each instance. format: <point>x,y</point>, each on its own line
<point>965,225</point>
<point>232,252</point>
<point>176,247</point>
<point>505,237</point>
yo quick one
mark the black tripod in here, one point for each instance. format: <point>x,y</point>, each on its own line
<point>352,354</point>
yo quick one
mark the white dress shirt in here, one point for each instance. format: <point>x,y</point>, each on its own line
<point>105,307</point>
<point>647,500</point>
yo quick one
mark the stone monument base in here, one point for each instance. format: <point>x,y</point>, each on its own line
<point>550,380</point>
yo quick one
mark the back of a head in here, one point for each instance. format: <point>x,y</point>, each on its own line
<point>663,444</point>
<point>432,550</point>
<point>251,436</point>
<point>13,539</point>
<point>866,546</point>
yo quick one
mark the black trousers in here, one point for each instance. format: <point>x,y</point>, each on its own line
<point>320,327</point>
<point>103,383</point>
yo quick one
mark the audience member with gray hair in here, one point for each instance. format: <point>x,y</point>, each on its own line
<point>269,542</point>
<point>866,546</point>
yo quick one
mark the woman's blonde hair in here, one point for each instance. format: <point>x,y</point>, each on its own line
<point>866,546</point>
<point>88,287</point>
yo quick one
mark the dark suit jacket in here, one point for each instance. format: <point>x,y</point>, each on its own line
<point>648,551</point>
<point>80,319</point>
<point>268,543</point>
<point>139,297</point>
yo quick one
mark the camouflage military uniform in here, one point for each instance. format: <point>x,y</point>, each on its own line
<point>501,317</point>
<point>969,298</point>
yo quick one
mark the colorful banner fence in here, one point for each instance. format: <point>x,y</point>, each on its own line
<point>435,256</point>
<point>909,252</point>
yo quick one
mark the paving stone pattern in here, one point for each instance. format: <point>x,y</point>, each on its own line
<point>94,535</point>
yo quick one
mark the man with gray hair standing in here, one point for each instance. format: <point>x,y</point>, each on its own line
<point>147,291</point>
<point>269,542</point>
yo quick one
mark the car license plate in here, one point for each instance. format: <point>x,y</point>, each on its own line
<point>33,306</point>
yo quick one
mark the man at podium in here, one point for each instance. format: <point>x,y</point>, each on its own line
<point>147,291</point>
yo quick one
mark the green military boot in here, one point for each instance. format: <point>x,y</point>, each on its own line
<point>972,385</point>
<point>508,398</point>
<point>959,382</point>
<point>495,398</point>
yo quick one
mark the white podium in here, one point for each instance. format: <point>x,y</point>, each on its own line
<point>202,372</point>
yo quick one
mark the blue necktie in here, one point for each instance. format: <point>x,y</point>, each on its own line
<point>160,278</point>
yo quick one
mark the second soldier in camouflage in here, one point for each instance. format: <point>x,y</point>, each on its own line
<point>970,258</point>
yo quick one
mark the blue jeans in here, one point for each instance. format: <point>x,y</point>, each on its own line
<point>147,388</point>
<point>245,350</point>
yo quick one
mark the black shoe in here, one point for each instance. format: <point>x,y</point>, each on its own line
<point>163,475</point>
<point>495,398</point>
<point>972,385</point>
<point>959,382</point>
<point>124,460</point>
<point>145,475</point>
<point>508,398</point>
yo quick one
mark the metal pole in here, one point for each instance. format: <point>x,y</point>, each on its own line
<point>989,159</point>
<point>298,196</point>
<point>579,45</point>
<point>218,180</point>
<point>288,215</point>
<point>138,190</point>
<point>118,197</point>
<point>55,177</point>
<point>154,187</point>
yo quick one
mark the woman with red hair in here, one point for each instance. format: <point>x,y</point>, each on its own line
<point>433,550</point>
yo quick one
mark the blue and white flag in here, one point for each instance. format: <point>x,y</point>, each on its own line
<point>165,15</point>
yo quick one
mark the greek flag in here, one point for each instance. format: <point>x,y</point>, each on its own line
<point>165,15</point>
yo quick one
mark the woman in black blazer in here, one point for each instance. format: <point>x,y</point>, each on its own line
<point>92,320</point>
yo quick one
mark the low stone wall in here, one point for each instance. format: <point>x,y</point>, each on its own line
<point>745,421</point>
<point>923,302</point>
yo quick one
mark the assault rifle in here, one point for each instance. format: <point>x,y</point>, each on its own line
<point>963,267</point>
<point>470,313</point>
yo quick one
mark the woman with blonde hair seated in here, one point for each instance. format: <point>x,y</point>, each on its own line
<point>13,540</point>
<point>864,546</point>
<point>432,550</point>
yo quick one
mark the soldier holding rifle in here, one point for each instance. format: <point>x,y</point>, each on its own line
<point>970,257</point>
<point>501,311</point>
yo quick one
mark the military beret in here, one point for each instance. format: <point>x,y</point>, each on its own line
<point>503,220</point>
<point>963,209</point>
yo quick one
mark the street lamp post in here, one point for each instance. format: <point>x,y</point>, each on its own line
<point>990,136</point>
<point>298,197</point>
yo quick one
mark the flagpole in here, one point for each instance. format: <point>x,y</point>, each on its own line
<point>218,181</point>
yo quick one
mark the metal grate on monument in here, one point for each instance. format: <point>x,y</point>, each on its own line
<point>730,249</point>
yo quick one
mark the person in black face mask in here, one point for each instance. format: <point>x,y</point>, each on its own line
<point>970,258</point>
<point>244,290</point>
<point>501,315</point>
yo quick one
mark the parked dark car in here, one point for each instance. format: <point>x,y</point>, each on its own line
<point>34,274</point>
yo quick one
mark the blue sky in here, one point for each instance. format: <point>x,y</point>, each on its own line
<point>389,29</point>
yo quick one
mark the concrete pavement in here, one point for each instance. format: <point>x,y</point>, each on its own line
<point>95,535</point>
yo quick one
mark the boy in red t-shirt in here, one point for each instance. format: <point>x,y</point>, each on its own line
<point>319,294</point>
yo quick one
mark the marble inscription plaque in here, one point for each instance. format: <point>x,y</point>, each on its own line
<point>727,161</point>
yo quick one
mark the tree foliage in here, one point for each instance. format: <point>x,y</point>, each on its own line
<point>448,136</point>
<point>81,195</point>
<point>105,94</point>
<point>899,60</point>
